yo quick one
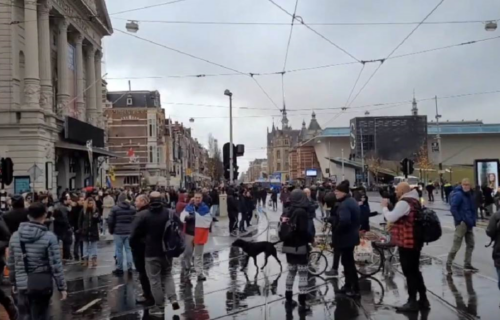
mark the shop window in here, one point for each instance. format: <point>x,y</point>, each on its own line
<point>72,165</point>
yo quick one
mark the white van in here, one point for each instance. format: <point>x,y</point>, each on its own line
<point>412,181</point>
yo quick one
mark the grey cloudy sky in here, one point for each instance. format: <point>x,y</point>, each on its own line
<point>261,48</point>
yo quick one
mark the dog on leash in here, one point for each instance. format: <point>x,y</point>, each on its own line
<point>253,249</point>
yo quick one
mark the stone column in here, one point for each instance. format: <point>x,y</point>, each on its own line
<point>80,86</point>
<point>91,98</point>
<point>44,41</point>
<point>62,68</point>
<point>98,89</point>
<point>32,72</point>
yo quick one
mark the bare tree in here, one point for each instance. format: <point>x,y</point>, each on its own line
<point>374,164</point>
<point>423,162</point>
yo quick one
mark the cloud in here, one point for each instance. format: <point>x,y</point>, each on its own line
<point>258,49</point>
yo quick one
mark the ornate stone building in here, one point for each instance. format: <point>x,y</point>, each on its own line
<point>280,142</point>
<point>51,89</point>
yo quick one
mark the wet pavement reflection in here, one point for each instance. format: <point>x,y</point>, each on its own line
<point>232,293</point>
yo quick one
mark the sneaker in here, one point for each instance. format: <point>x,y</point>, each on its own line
<point>470,268</point>
<point>424,304</point>
<point>157,312</point>
<point>118,272</point>
<point>410,306</point>
<point>175,305</point>
<point>332,273</point>
<point>202,277</point>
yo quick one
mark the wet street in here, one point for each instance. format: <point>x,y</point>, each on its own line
<point>230,293</point>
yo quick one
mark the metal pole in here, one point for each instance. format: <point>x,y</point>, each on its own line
<point>343,175</point>
<point>231,146</point>
<point>438,137</point>
<point>329,159</point>
<point>362,154</point>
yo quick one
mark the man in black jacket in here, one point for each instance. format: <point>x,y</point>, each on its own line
<point>62,228</point>
<point>232,210</point>
<point>150,227</point>
<point>17,215</point>
<point>345,236</point>
<point>138,253</point>
<point>119,223</point>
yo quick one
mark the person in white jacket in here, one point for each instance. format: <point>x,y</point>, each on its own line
<point>107,203</point>
<point>195,241</point>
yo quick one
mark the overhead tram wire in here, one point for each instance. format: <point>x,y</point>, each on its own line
<point>251,75</point>
<point>286,57</point>
<point>395,49</point>
<point>388,57</point>
<point>313,30</point>
<point>282,24</point>
<point>147,7</point>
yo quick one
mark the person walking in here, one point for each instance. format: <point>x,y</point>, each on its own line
<point>17,215</point>
<point>88,227</point>
<point>62,228</point>
<point>479,199</point>
<point>430,191</point>
<point>247,205</point>
<point>150,226</point>
<point>274,199</point>
<point>214,195</point>
<point>138,252</point>
<point>296,248</point>
<point>107,204</point>
<point>488,199</point>
<point>76,205</point>
<point>402,219</point>
<point>333,218</point>
<point>345,236</point>
<point>200,212</point>
<point>463,209</point>
<point>35,251</point>
<point>120,222</point>
<point>5,300</point>
<point>189,228</point>
<point>493,231</point>
<point>232,211</point>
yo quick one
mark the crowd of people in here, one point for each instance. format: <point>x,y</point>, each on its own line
<point>144,223</point>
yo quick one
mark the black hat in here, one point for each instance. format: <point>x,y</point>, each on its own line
<point>343,186</point>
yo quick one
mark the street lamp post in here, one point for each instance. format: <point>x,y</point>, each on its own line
<point>438,138</point>
<point>231,146</point>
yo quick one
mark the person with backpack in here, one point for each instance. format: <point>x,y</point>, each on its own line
<point>345,236</point>
<point>34,261</point>
<point>295,234</point>
<point>153,227</point>
<point>493,231</point>
<point>463,209</point>
<point>403,220</point>
<point>198,211</point>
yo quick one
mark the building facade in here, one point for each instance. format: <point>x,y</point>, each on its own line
<point>50,89</point>
<point>136,133</point>
<point>257,170</point>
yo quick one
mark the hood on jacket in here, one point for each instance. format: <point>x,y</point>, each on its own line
<point>412,194</point>
<point>124,205</point>
<point>156,205</point>
<point>31,231</point>
<point>298,198</point>
<point>183,197</point>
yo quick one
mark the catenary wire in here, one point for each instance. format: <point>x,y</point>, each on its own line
<point>147,7</point>
<point>290,34</point>
<point>390,54</point>
<point>313,30</point>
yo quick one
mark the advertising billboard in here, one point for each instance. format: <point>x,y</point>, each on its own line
<point>311,172</point>
<point>486,171</point>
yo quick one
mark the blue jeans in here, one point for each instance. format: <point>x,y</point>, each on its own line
<point>122,242</point>
<point>89,249</point>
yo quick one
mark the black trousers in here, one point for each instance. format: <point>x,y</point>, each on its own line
<point>233,222</point>
<point>140,265</point>
<point>431,195</point>
<point>77,247</point>
<point>351,274</point>
<point>33,307</point>
<point>410,264</point>
<point>336,259</point>
<point>67,240</point>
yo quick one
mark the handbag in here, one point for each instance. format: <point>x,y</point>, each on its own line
<point>38,283</point>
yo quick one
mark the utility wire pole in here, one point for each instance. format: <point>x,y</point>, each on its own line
<point>438,137</point>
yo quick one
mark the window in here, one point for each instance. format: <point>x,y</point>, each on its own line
<point>150,127</point>
<point>71,57</point>
<point>86,167</point>
<point>72,165</point>
<point>278,167</point>
<point>158,151</point>
<point>129,101</point>
<point>131,180</point>
<point>150,158</point>
<point>278,155</point>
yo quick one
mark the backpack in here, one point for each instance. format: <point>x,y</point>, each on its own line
<point>427,226</point>
<point>173,239</point>
<point>287,225</point>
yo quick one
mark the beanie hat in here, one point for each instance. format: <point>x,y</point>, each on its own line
<point>343,186</point>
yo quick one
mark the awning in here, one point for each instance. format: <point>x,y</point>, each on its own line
<point>96,151</point>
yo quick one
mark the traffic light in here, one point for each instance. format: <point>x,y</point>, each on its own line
<point>407,166</point>
<point>7,171</point>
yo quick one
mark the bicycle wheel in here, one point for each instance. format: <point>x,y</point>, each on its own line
<point>371,265</point>
<point>317,263</point>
